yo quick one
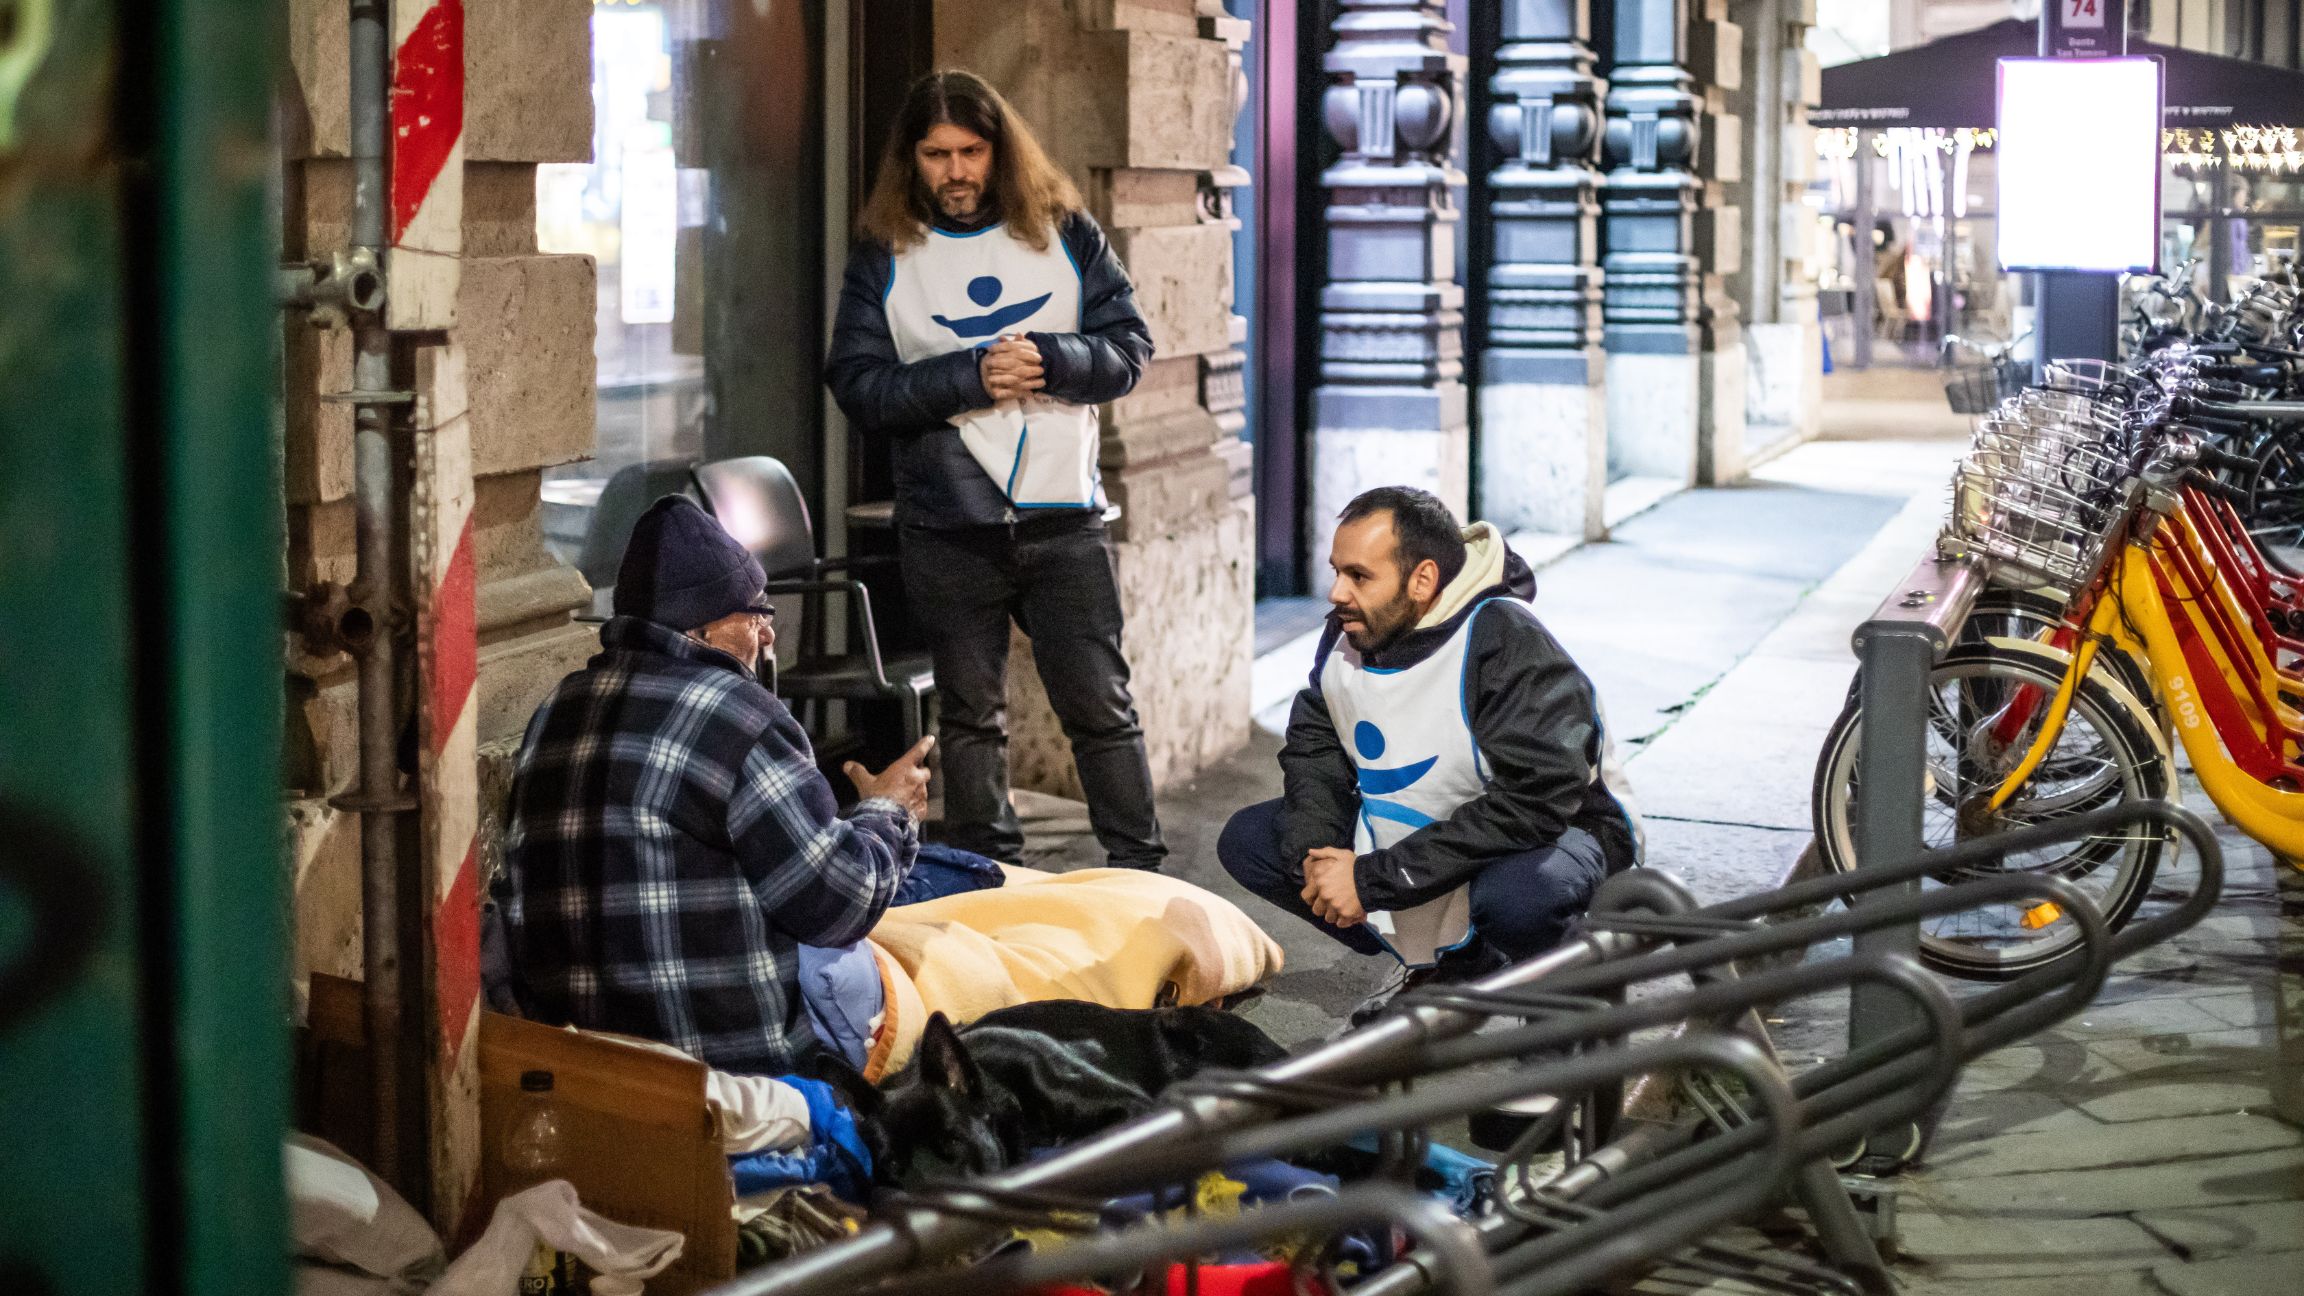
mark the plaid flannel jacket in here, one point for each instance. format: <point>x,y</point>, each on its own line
<point>671,842</point>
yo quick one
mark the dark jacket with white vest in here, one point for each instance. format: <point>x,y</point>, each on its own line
<point>938,483</point>
<point>1533,715</point>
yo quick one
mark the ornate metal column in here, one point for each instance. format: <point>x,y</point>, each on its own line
<point>1543,409</point>
<point>1391,406</point>
<point>1654,286</point>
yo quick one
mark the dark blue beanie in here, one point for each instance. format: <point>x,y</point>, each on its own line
<point>683,570</point>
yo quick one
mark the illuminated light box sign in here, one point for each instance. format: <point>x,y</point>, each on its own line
<point>2079,168</point>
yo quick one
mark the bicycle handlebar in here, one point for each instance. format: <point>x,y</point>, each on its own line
<point>2220,460</point>
<point>2223,490</point>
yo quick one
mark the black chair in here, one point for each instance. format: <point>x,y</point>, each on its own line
<point>626,496</point>
<point>756,499</point>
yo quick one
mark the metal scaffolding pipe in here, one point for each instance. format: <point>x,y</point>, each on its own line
<point>372,624</point>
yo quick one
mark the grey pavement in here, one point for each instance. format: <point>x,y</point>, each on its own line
<point>2139,1148</point>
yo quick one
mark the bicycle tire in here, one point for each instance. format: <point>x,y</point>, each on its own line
<point>2274,512</point>
<point>2002,613</point>
<point>2102,712</point>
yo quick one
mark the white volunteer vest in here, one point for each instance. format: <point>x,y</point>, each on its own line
<point>956,292</point>
<point>1411,745</point>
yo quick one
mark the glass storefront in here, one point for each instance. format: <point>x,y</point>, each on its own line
<point>704,209</point>
<point>1929,250</point>
<point>634,210</point>
<point>2232,204</point>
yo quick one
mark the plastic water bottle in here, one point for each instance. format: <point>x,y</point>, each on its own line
<point>535,1151</point>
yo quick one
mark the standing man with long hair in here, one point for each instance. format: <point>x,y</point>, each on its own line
<point>983,319</point>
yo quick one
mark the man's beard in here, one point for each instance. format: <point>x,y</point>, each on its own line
<point>1384,625</point>
<point>960,200</point>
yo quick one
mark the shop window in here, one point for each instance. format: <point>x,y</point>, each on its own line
<point>637,212</point>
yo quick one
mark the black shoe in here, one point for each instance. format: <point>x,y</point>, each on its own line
<point>1402,979</point>
<point>1468,963</point>
<point>1496,1129</point>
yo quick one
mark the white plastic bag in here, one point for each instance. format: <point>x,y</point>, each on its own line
<point>620,1256</point>
<point>341,1214</point>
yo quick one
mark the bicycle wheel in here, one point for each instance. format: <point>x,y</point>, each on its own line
<point>2275,508</point>
<point>2108,754</point>
<point>2002,613</point>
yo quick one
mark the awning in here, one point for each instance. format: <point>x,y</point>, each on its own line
<point>1949,83</point>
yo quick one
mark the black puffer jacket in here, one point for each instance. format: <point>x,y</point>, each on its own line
<point>938,483</point>
<point>1535,717</point>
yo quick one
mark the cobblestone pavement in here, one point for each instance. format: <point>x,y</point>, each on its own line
<point>2139,1148</point>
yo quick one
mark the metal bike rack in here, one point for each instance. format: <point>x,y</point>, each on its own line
<point>1896,648</point>
<point>1647,1197</point>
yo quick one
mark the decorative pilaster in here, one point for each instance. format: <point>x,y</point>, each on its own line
<point>1776,288</point>
<point>1653,294</point>
<point>1543,411</point>
<point>1391,405</point>
<point>1716,59</point>
<point>1224,374</point>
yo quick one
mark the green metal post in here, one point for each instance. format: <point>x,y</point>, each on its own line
<point>139,679</point>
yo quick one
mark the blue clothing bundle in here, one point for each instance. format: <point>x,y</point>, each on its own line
<point>1464,1184</point>
<point>835,1156</point>
<point>939,871</point>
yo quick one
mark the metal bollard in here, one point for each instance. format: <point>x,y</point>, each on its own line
<point>1896,649</point>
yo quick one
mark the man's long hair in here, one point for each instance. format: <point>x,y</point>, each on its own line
<point>1030,195</point>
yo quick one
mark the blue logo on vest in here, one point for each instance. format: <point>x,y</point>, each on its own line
<point>1376,784</point>
<point>985,290</point>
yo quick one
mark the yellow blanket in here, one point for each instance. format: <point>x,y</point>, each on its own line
<point>1109,936</point>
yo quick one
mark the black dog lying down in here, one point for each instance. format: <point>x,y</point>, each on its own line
<point>1033,1077</point>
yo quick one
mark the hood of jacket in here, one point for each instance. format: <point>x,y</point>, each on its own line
<point>1491,570</point>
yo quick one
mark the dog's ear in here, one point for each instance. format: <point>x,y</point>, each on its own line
<point>859,1094</point>
<point>944,1060</point>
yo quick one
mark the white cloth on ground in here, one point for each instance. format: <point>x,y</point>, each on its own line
<point>622,1257</point>
<point>340,1214</point>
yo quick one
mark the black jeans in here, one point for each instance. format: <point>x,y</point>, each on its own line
<point>1052,575</point>
<point>1522,903</point>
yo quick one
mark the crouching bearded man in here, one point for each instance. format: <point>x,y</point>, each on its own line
<point>1451,798</point>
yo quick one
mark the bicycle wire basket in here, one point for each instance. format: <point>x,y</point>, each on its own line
<point>1976,388</point>
<point>2039,497</point>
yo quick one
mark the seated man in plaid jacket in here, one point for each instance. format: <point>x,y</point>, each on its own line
<point>671,842</point>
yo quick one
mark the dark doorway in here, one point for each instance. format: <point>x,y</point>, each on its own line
<point>764,249</point>
<point>1290,261</point>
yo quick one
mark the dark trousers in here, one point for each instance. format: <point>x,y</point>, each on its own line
<point>1053,576</point>
<point>1522,903</point>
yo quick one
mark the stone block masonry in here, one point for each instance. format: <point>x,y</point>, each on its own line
<point>526,322</point>
<point>1189,649</point>
<point>528,84</point>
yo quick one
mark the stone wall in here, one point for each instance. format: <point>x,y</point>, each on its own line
<point>1136,99</point>
<point>526,321</point>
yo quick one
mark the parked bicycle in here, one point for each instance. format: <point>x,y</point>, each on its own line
<point>2162,305</point>
<point>1979,375</point>
<point>2133,607</point>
